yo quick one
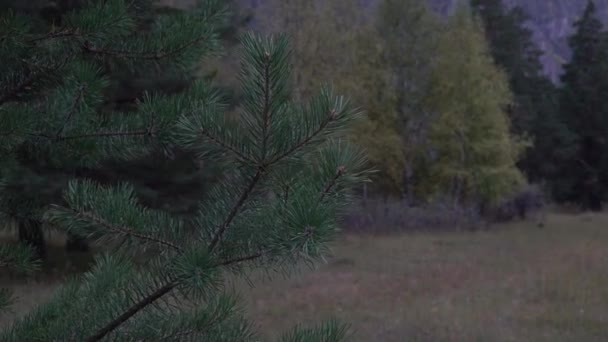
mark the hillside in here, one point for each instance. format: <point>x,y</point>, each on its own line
<point>550,20</point>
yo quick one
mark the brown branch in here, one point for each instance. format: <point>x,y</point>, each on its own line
<point>124,230</point>
<point>339,173</point>
<point>235,209</point>
<point>305,141</point>
<point>258,175</point>
<point>54,35</point>
<point>155,296</point>
<point>104,135</point>
<point>242,259</point>
<point>87,47</point>
<point>132,311</point>
<point>222,144</point>
<point>266,109</point>
<point>72,110</point>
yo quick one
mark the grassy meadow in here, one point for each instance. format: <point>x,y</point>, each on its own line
<point>516,282</point>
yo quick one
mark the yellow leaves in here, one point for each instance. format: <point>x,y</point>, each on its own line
<point>472,130</point>
<point>384,148</point>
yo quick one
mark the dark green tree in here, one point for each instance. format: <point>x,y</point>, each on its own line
<point>170,180</point>
<point>533,112</point>
<point>288,174</point>
<point>584,111</point>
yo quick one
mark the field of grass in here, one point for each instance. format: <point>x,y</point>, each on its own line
<point>516,282</point>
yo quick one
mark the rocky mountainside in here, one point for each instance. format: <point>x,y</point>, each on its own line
<point>551,22</point>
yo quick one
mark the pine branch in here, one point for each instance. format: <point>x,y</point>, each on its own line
<point>77,101</point>
<point>242,259</point>
<point>226,146</point>
<point>305,141</point>
<point>54,35</point>
<point>106,135</point>
<point>156,56</point>
<point>339,173</point>
<point>159,293</point>
<point>235,209</point>
<point>266,115</point>
<point>124,230</point>
<point>168,287</point>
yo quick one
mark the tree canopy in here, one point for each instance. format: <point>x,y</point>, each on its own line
<point>288,173</point>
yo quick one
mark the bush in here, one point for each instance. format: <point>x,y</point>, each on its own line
<point>527,200</point>
<point>397,215</point>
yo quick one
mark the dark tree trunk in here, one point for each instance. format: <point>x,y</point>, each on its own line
<point>30,233</point>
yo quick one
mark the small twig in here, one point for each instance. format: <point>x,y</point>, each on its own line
<point>124,230</point>
<point>226,146</point>
<point>339,173</point>
<point>266,115</point>
<point>87,47</point>
<point>235,209</point>
<point>242,259</point>
<point>105,135</point>
<point>53,35</point>
<point>168,287</point>
<point>305,141</point>
<point>72,110</point>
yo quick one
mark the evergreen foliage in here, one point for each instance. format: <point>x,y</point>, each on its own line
<point>165,178</point>
<point>584,113</point>
<point>288,173</point>
<point>337,40</point>
<point>534,107</point>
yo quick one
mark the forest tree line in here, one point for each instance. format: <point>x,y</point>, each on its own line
<point>458,106</point>
<point>114,132</point>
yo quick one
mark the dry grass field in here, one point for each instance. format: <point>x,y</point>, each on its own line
<point>514,283</point>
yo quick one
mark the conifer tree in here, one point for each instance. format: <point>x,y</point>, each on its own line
<point>288,173</point>
<point>171,181</point>
<point>584,111</point>
<point>533,112</point>
<point>475,154</point>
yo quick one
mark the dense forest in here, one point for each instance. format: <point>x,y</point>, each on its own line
<point>400,59</point>
<point>167,131</point>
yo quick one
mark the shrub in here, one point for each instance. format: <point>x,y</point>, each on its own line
<point>397,215</point>
<point>519,205</point>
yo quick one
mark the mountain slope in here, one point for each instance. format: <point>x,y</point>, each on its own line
<point>551,21</point>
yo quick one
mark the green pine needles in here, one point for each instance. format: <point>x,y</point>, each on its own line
<point>288,176</point>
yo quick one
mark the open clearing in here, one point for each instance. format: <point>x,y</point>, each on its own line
<point>514,283</point>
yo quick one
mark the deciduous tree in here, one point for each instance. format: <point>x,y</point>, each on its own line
<point>475,154</point>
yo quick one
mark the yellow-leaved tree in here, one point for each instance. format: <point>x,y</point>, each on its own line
<point>339,41</point>
<point>474,154</point>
